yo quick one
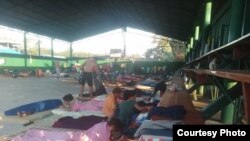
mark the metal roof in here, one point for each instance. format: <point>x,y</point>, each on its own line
<point>72,20</point>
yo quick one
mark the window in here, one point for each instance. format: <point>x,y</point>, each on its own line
<point>61,49</point>
<point>45,46</point>
<point>208,13</point>
<point>11,40</point>
<point>32,44</point>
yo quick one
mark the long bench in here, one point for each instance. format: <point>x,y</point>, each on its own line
<point>241,76</point>
<point>171,98</point>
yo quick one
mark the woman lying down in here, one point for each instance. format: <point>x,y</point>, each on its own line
<point>72,104</point>
<point>103,131</point>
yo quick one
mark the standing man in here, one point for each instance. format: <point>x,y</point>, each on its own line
<point>88,69</point>
<point>58,70</point>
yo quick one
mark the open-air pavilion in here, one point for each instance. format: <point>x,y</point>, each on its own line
<point>215,34</point>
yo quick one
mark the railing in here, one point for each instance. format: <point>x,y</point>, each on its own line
<point>238,48</point>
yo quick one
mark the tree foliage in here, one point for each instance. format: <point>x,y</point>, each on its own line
<point>178,49</point>
<point>166,49</point>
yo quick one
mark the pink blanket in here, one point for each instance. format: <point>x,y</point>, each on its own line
<point>99,132</point>
<point>50,135</point>
<point>94,105</point>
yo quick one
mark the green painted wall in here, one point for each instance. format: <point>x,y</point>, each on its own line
<point>18,62</point>
<point>31,62</point>
<point>11,61</point>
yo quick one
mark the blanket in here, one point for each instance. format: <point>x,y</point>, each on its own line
<point>82,123</point>
<point>75,115</point>
<point>50,135</point>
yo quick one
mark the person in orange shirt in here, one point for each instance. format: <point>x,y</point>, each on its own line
<point>111,102</point>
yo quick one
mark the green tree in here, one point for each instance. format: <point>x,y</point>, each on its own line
<point>178,49</point>
<point>166,49</point>
<point>64,53</point>
<point>162,50</point>
<point>45,51</point>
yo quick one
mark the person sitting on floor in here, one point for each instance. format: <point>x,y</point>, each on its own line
<point>129,107</point>
<point>111,102</point>
<point>100,88</point>
<point>162,87</point>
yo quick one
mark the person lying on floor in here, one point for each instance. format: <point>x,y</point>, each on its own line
<point>160,121</point>
<point>72,104</point>
<point>111,102</point>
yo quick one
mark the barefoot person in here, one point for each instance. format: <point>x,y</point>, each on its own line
<point>88,68</point>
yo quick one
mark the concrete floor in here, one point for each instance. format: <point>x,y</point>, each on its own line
<point>19,91</point>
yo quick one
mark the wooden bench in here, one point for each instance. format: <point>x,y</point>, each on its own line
<point>242,76</point>
<point>171,98</point>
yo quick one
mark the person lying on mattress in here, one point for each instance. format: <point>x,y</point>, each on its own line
<point>111,102</point>
<point>72,104</point>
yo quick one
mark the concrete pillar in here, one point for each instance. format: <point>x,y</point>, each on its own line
<point>70,50</point>
<point>52,53</point>
<point>39,47</point>
<point>25,48</point>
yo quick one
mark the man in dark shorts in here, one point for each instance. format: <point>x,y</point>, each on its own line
<point>88,68</point>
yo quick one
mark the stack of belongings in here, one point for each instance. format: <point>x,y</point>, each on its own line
<point>175,107</point>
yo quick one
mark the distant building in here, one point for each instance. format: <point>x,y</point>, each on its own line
<point>116,53</point>
<point>8,50</point>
